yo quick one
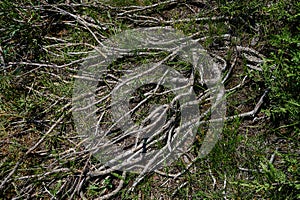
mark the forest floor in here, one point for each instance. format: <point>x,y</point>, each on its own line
<point>43,45</point>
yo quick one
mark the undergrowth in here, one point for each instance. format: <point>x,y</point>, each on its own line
<point>42,49</point>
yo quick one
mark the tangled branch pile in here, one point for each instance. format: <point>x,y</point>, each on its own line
<point>43,47</point>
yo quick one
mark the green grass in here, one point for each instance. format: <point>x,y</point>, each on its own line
<point>33,97</point>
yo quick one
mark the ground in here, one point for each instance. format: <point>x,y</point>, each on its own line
<point>44,44</point>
